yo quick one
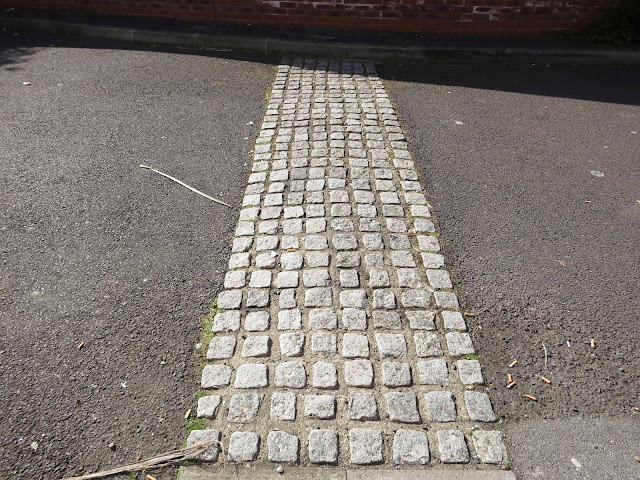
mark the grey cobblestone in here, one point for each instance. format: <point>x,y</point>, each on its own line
<point>257,346</point>
<point>355,346</point>
<point>290,374</point>
<point>453,320</point>
<point>282,447</point>
<point>266,260</point>
<point>349,279</point>
<point>354,319</point>
<point>323,446</point>
<point>347,259</point>
<point>378,278</point>
<point>315,242</point>
<point>208,406</point>
<point>221,347</point>
<point>363,406</point>
<point>490,447</point>
<point>205,436</point>
<point>446,299</point>
<point>256,321</point>
<point>440,406</point>
<point>235,279</point>
<point>243,408</point>
<point>320,406</point>
<point>365,446</point>
<point>427,344</point>
<point>358,373</point>
<point>318,297</point>
<point>387,320</point>
<point>289,320</point>
<point>251,375</point>
<point>283,406</point>
<point>415,299</point>
<point>409,278</point>
<point>399,242</point>
<point>421,320</point>
<point>402,407</point>
<point>391,345</point>
<point>395,374</point>
<point>353,299</point>
<point>316,277</point>
<point>239,260</point>
<point>325,375</point>
<point>322,319</point>
<point>258,298</point>
<point>229,299</point>
<point>216,376</point>
<point>470,372</point>
<point>479,406</point>
<point>373,241</point>
<point>287,299</point>
<point>402,258</point>
<point>410,448</point>
<point>287,280</point>
<point>243,446</point>
<point>433,372</point>
<point>452,446</point>
<point>342,225</point>
<point>324,343</point>
<point>439,278</point>
<point>459,343</point>
<point>316,225</point>
<point>318,259</point>
<point>384,298</point>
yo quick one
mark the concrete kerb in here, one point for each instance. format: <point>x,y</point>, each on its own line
<point>268,472</point>
<point>399,53</point>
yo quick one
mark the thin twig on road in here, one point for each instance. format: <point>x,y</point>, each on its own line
<point>185,185</point>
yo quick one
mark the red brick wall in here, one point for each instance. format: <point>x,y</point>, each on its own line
<point>495,17</point>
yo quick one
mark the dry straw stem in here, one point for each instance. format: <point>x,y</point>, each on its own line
<point>169,458</point>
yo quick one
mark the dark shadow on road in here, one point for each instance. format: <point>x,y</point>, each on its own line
<point>12,52</point>
<point>599,83</point>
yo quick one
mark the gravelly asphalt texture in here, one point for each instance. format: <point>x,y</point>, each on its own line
<point>541,250</point>
<point>97,250</point>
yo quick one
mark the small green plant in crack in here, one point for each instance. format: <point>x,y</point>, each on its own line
<point>471,356</point>
<point>207,327</point>
<point>194,424</point>
<point>199,394</point>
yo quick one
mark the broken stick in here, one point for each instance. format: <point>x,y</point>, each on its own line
<point>185,185</point>
<point>164,460</point>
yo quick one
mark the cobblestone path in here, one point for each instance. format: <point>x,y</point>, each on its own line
<point>340,340</point>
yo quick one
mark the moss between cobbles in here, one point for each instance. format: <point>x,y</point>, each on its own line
<point>207,335</point>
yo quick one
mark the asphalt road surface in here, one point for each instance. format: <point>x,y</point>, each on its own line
<point>97,250</point>
<point>543,252</point>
